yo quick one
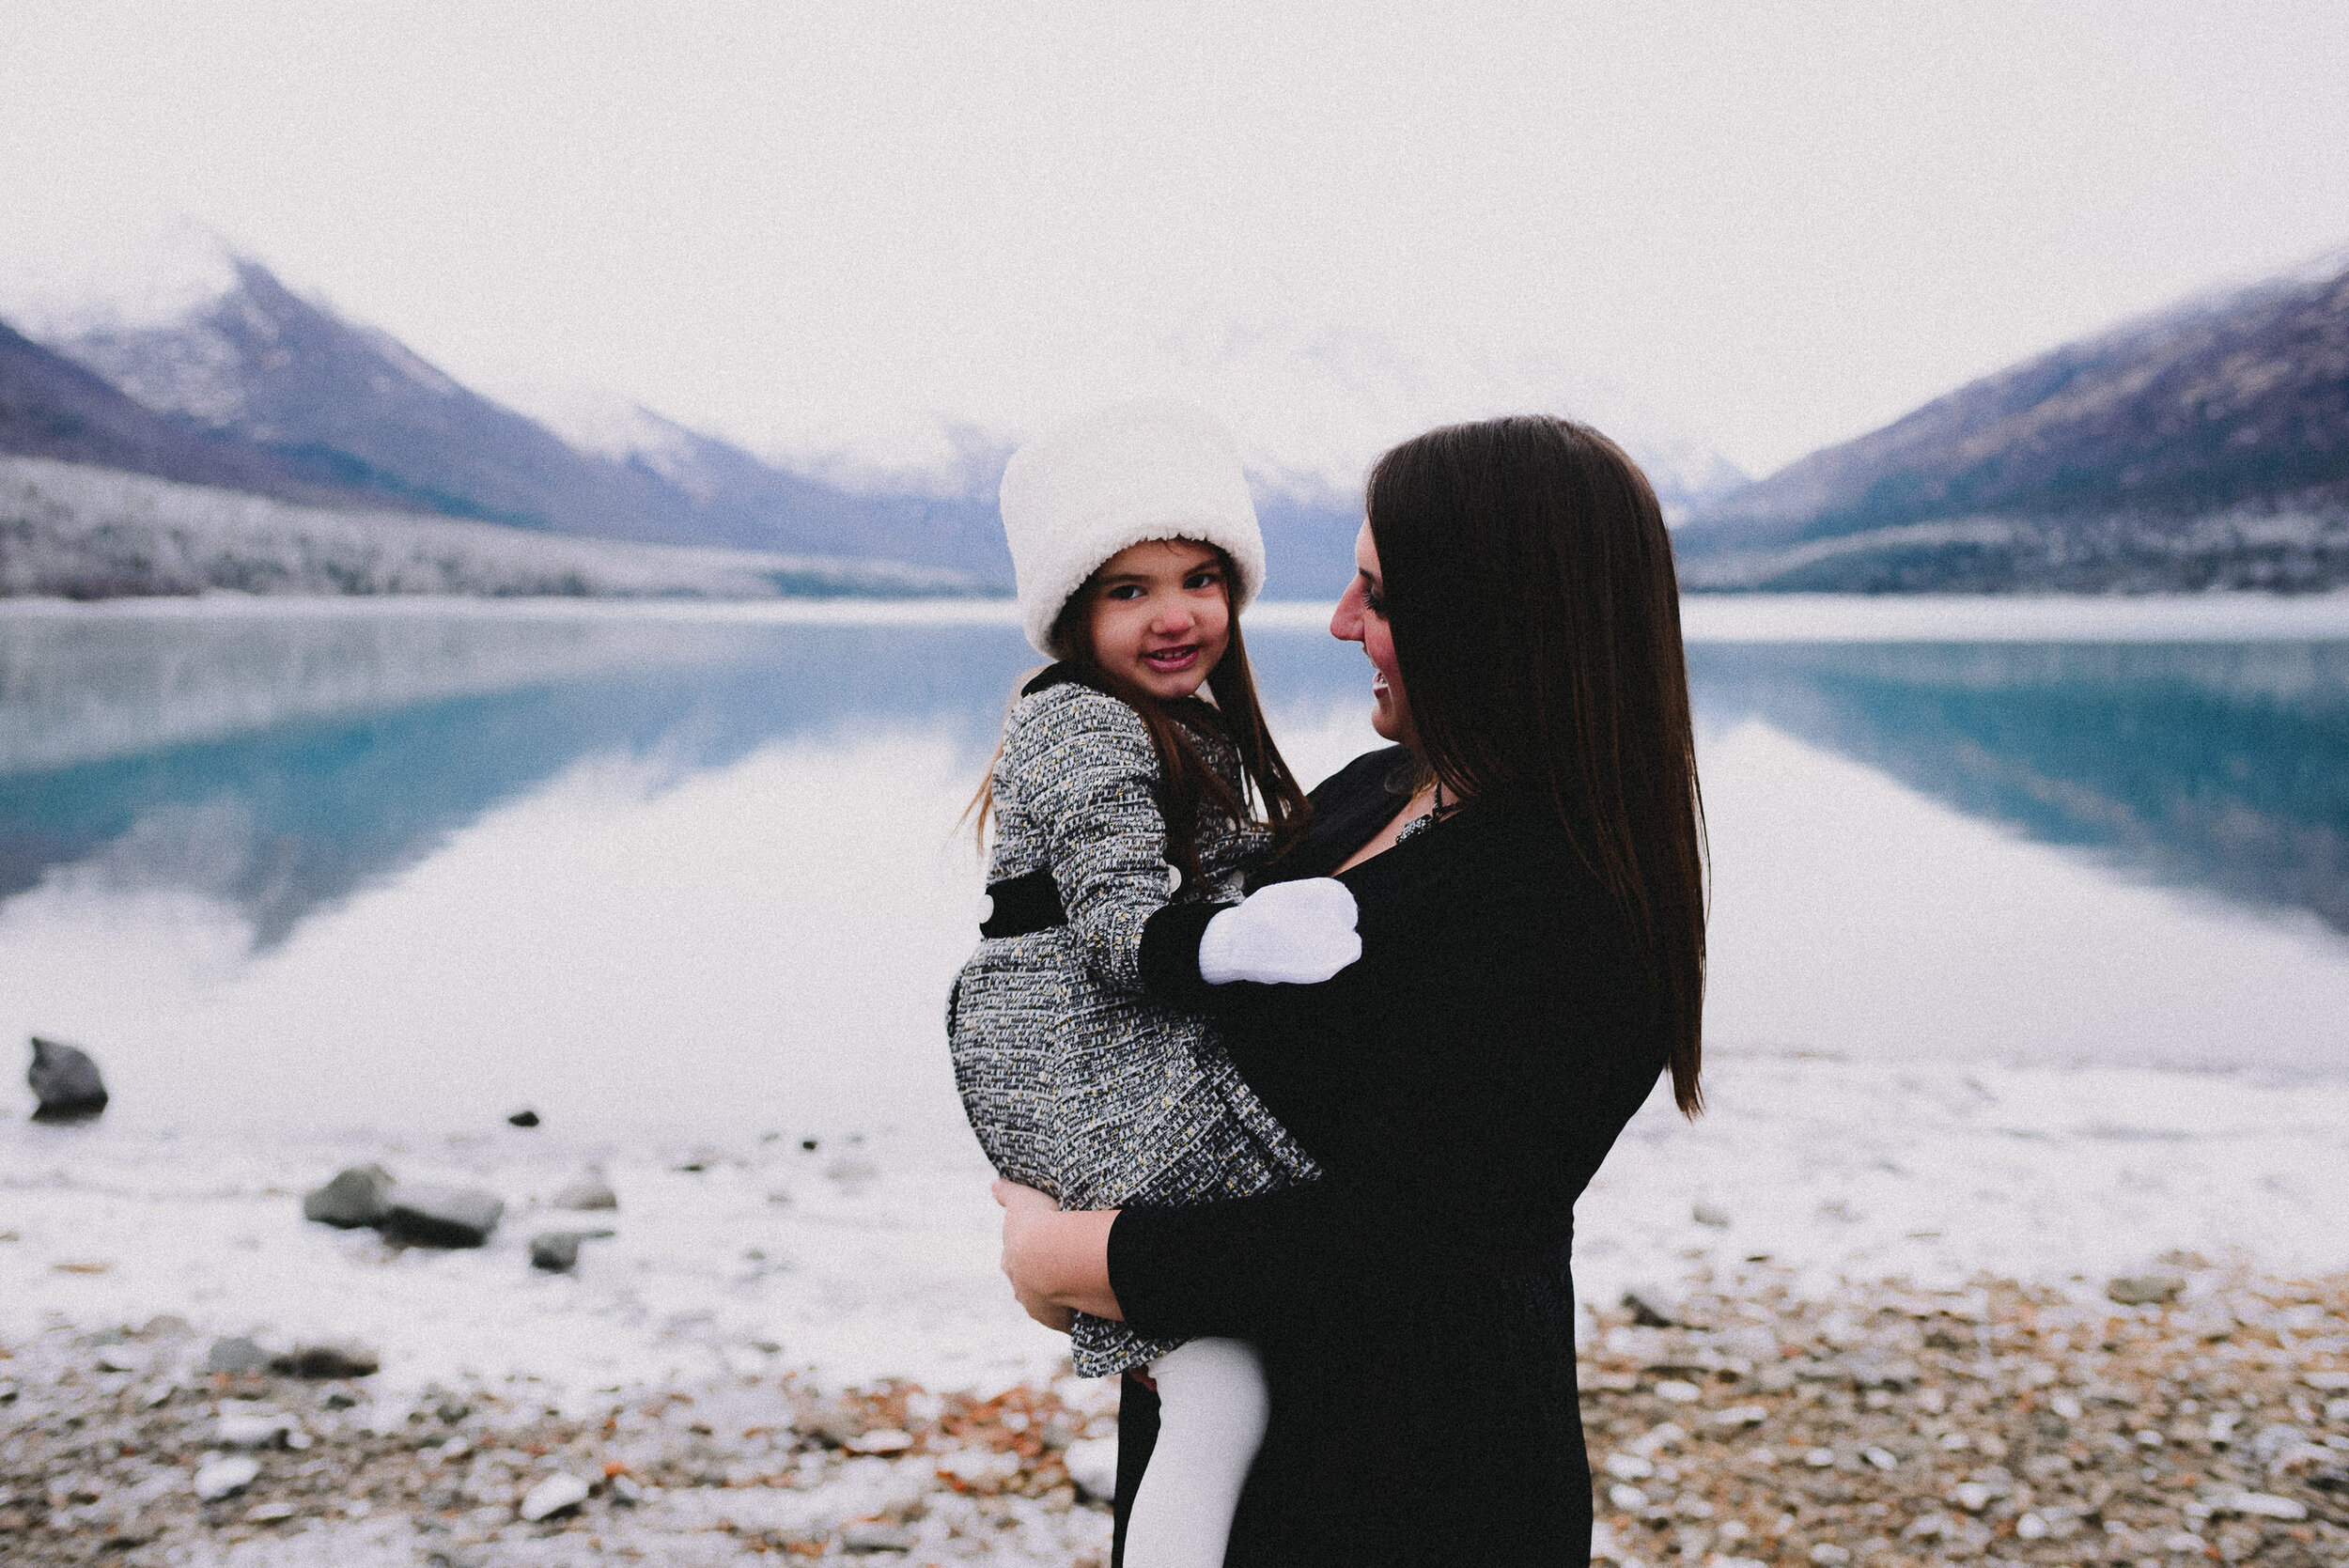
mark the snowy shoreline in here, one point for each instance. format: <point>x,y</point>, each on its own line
<point>873,1259</point>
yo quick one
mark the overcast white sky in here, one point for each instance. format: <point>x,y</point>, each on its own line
<point>842,228</point>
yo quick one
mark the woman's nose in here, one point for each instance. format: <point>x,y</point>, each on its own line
<point>1346,623</point>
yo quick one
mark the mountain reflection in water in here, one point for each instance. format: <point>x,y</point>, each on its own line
<point>279,761</point>
<point>2220,765</point>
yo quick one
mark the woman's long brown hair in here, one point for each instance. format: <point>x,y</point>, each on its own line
<point>1528,581</point>
<point>1185,780</point>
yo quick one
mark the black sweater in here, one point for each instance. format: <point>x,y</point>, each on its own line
<point>1460,1086</point>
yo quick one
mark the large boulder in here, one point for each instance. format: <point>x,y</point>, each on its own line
<point>65,1081</point>
<point>360,1195</point>
<point>434,1216</point>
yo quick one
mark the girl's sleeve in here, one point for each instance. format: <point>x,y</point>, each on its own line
<point>1086,771</point>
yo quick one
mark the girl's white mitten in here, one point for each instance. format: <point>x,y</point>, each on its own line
<point>1289,933</point>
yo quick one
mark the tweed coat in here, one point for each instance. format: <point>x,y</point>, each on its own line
<point>1075,1081</point>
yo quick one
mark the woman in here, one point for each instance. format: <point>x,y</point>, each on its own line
<point>1527,862</point>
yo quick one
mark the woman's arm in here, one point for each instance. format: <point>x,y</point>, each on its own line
<point>1493,1062</point>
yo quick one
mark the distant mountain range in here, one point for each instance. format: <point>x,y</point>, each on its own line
<point>248,386</point>
<point>2206,446</point>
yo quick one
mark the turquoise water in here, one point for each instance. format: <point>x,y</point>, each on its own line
<point>396,863</point>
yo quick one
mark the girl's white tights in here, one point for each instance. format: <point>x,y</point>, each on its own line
<point>1211,1419</point>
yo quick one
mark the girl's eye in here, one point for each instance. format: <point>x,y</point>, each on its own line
<point>1375,602</point>
<point>1208,578</point>
<point>1124,590</point>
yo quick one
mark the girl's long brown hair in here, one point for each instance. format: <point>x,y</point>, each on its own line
<point>1185,780</point>
<point>1529,581</point>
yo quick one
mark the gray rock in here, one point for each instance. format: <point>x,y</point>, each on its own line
<point>1710,1214</point>
<point>329,1359</point>
<point>1652,1305</point>
<point>434,1216</point>
<point>588,1192</point>
<point>556,1252</point>
<point>2144,1289</point>
<point>220,1477</point>
<point>871,1535</point>
<point>524,1118</point>
<point>235,1356</point>
<point>66,1082</point>
<point>360,1195</point>
<point>557,1494</point>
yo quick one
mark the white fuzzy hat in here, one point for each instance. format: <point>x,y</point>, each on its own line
<point>1125,474</point>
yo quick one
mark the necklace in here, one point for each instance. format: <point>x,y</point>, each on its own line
<point>1437,811</point>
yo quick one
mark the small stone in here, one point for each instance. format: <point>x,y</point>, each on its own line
<point>2267,1505</point>
<point>2031,1527</point>
<point>1677,1392</point>
<point>887,1439</point>
<point>1739,1416</point>
<point>2337,1410</point>
<point>65,1081</point>
<point>1629,1466</point>
<point>357,1196</point>
<point>435,1216</point>
<point>1882,1458</point>
<point>250,1429</point>
<point>556,1252</point>
<point>1820,1459</point>
<point>555,1495</point>
<point>2181,1540</point>
<point>1092,1466</point>
<point>872,1535</point>
<point>1972,1495</point>
<point>235,1356</point>
<point>329,1359</point>
<point>1653,1306</point>
<point>588,1192</point>
<point>222,1477</point>
<point>2144,1289</point>
<point>268,1513</point>
<point>1827,1554</point>
<point>1626,1498</point>
<point>2328,1382</point>
<point>524,1118</point>
<point>1710,1214</point>
<point>624,1491</point>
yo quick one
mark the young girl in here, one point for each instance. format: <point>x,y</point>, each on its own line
<point>1118,790</point>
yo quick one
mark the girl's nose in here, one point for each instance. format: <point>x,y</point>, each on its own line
<point>1173,618</point>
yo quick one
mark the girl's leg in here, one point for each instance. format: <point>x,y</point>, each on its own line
<point>1211,1419</point>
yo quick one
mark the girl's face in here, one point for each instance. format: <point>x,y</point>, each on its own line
<point>1362,618</point>
<point>1161,617</point>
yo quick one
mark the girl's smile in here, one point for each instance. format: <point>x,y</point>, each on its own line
<point>1161,618</point>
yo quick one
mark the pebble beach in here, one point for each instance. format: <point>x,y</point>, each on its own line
<point>1859,1315</point>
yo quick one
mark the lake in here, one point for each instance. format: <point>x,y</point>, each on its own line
<point>410,865</point>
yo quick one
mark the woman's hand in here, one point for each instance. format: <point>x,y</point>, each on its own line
<point>1058,1263</point>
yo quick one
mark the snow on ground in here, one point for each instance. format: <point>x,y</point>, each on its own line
<point>857,1263</point>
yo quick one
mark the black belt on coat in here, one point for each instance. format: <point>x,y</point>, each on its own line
<point>1020,906</point>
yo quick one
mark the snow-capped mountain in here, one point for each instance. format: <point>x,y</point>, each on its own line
<point>350,410</point>
<point>2205,445</point>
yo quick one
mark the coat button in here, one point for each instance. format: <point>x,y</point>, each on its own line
<point>986,907</point>
<point>1173,879</point>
